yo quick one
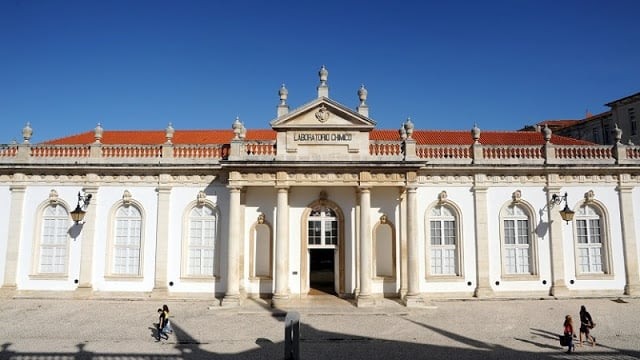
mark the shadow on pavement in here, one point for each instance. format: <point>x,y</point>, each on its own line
<point>317,344</point>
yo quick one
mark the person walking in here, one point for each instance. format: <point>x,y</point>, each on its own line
<point>568,333</point>
<point>164,325</point>
<point>586,324</point>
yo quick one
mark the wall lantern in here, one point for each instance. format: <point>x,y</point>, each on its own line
<point>77,215</point>
<point>566,213</point>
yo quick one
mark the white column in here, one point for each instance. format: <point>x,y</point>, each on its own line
<point>483,279</point>
<point>16,209</point>
<point>402,230</point>
<point>413,297</point>
<point>162,242</point>
<point>282,248</point>
<point>232,296</point>
<point>85,286</point>
<point>556,227</point>
<point>365,298</point>
<point>629,241</point>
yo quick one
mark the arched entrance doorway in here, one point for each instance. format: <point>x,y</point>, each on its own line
<point>323,250</point>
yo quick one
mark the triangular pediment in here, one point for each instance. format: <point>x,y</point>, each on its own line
<point>323,113</point>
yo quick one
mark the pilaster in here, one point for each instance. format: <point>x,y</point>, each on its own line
<point>232,295</point>
<point>85,281</point>
<point>16,210</point>
<point>629,240</point>
<point>483,286</point>
<point>160,288</point>
<point>556,240</point>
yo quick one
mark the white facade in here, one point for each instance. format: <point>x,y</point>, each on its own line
<point>395,218</point>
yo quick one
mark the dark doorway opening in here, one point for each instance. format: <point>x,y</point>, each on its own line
<point>321,271</point>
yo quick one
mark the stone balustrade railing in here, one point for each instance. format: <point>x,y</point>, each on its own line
<point>265,150</point>
<point>260,150</point>
<point>445,154</point>
<point>386,150</point>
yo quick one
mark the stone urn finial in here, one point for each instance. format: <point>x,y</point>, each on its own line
<point>237,128</point>
<point>408,127</point>
<point>283,93</point>
<point>323,73</point>
<point>97,133</point>
<point>27,132</point>
<point>546,132</point>
<point>475,133</point>
<point>362,95</point>
<point>618,134</point>
<point>402,132</point>
<point>168,133</point>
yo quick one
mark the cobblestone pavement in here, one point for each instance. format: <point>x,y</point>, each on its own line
<point>331,328</point>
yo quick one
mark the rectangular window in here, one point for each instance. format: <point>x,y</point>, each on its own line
<point>509,232</point>
<point>523,232</point>
<point>596,135</point>
<point>127,247</point>
<point>315,233</point>
<point>436,233</point>
<point>632,120</point>
<point>53,249</point>
<point>201,246</point>
<point>516,246</point>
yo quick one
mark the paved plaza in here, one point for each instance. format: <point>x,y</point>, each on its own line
<point>36,328</point>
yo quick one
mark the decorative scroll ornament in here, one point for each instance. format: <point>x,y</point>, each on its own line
<point>261,218</point>
<point>589,196</point>
<point>516,196</point>
<point>126,197</point>
<point>53,196</point>
<point>383,219</point>
<point>201,198</point>
<point>442,197</point>
<point>323,195</point>
<point>322,114</point>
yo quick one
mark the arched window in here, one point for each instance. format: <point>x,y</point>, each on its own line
<point>54,240</point>
<point>127,241</point>
<point>517,246</point>
<point>443,244</point>
<point>590,241</point>
<point>323,228</point>
<point>201,247</point>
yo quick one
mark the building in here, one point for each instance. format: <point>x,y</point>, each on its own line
<point>601,128</point>
<point>321,201</point>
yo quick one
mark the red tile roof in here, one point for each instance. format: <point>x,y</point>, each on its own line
<point>423,137</point>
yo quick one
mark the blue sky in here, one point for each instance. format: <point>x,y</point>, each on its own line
<point>67,65</point>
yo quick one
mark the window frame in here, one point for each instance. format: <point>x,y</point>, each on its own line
<point>186,239</point>
<point>111,243</point>
<point>36,272</point>
<point>528,213</point>
<point>605,241</point>
<point>459,246</point>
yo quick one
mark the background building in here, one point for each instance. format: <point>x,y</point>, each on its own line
<point>601,128</point>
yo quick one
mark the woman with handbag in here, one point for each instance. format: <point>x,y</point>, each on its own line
<point>568,334</point>
<point>586,324</point>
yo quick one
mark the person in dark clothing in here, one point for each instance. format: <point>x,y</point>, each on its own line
<point>586,324</point>
<point>568,332</point>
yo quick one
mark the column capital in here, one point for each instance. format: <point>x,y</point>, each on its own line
<point>235,188</point>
